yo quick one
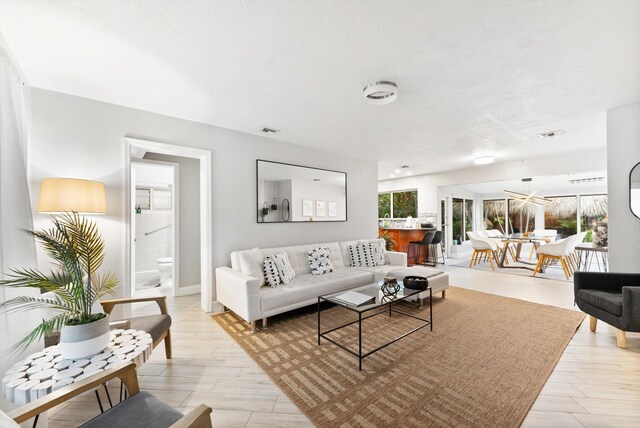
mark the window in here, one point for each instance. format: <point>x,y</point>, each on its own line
<point>462,218</point>
<point>522,216</point>
<point>384,205</point>
<point>593,209</point>
<point>493,212</point>
<point>562,215</point>
<point>398,204</point>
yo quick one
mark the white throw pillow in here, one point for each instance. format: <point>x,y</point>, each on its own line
<point>281,259</point>
<point>251,262</point>
<point>361,255</point>
<point>377,250</point>
<point>319,261</point>
<point>271,275</point>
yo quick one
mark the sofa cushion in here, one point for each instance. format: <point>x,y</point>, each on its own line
<point>319,261</point>
<point>281,259</point>
<point>361,255</point>
<point>609,301</point>
<point>270,272</point>
<point>298,255</point>
<point>251,263</point>
<point>308,286</point>
<point>379,272</point>
<point>377,250</point>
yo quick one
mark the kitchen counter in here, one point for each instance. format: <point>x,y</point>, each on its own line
<point>403,237</point>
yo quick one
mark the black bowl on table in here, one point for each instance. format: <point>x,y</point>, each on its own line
<point>416,283</point>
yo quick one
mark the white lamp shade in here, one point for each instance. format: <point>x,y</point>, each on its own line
<point>58,195</point>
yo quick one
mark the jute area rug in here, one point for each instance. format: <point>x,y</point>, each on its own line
<point>483,365</point>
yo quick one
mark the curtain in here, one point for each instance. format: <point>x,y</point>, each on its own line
<point>17,249</point>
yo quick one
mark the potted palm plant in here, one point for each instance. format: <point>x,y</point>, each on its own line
<point>76,247</point>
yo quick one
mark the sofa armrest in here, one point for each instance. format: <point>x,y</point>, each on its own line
<point>239,292</point>
<point>631,306</point>
<point>396,258</point>
<point>604,281</point>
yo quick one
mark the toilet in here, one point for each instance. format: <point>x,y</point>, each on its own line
<point>165,266</point>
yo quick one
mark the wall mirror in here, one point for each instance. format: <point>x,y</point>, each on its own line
<point>294,193</point>
<point>634,190</point>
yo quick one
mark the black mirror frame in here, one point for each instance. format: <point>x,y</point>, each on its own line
<point>630,188</point>
<point>346,193</point>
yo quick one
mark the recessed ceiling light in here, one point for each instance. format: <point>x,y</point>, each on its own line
<point>392,176</point>
<point>408,172</point>
<point>382,92</point>
<point>397,171</point>
<point>550,134</point>
<point>483,160</point>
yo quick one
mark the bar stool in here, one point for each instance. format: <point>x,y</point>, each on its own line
<point>426,241</point>
<point>433,248</point>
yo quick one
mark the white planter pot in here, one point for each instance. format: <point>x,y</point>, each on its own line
<point>81,341</point>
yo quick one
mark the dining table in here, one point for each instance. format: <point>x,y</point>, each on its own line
<point>517,240</point>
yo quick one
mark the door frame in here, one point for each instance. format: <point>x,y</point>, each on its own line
<point>206,210</point>
<point>175,207</point>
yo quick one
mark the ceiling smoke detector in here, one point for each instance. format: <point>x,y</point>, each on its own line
<point>382,92</point>
<point>550,134</point>
<point>266,130</point>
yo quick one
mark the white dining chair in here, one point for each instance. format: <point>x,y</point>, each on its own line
<point>483,249</point>
<point>549,235</point>
<point>562,251</point>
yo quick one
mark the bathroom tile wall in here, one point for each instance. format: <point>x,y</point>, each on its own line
<point>156,245</point>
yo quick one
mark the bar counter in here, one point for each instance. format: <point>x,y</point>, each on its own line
<point>402,237</point>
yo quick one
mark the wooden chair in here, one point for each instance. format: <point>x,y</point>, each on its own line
<point>158,326</point>
<point>141,409</point>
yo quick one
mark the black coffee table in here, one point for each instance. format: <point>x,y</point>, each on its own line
<point>383,305</point>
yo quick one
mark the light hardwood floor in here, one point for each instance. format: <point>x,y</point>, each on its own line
<point>595,384</point>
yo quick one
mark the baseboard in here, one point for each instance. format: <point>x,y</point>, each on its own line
<point>186,291</point>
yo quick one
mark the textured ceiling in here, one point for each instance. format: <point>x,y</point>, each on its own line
<point>474,77</point>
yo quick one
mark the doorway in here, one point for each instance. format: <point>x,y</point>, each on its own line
<point>155,251</point>
<point>152,152</point>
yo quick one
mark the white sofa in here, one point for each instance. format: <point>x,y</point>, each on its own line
<point>242,293</point>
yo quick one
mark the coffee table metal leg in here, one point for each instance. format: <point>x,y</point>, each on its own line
<point>360,340</point>
<point>430,308</point>
<point>318,320</point>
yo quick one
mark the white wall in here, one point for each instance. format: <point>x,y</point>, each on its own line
<point>77,137</point>
<point>303,189</point>
<point>623,153</point>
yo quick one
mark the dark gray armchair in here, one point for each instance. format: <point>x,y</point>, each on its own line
<point>610,297</point>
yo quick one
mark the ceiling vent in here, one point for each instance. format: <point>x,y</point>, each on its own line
<point>527,179</point>
<point>550,134</point>
<point>266,130</point>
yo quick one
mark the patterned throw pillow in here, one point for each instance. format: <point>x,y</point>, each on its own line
<point>319,261</point>
<point>361,255</point>
<point>271,276</point>
<point>281,259</point>
<point>377,251</point>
